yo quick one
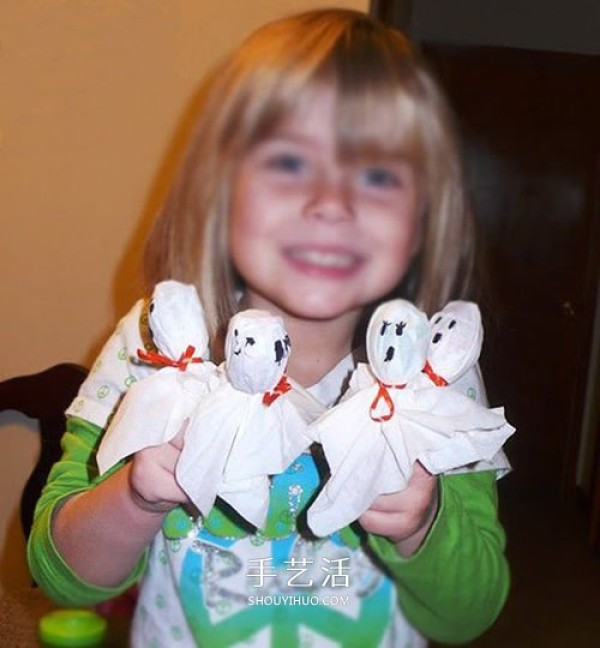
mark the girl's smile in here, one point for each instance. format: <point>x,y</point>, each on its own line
<point>314,236</point>
<point>325,261</point>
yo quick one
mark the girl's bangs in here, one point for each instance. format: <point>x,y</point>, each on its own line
<point>379,122</point>
<point>370,68</point>
<point>371,121</point>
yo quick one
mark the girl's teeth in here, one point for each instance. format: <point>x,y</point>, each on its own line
<point>328,259</point>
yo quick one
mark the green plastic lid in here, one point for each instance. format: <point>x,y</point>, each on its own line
<point>81,628</point>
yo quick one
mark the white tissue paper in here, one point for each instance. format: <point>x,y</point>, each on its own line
<point>395,415</point>
<point>248,428</point>
<point>155,409</point>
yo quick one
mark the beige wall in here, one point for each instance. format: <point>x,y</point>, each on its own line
<point>93,96</point>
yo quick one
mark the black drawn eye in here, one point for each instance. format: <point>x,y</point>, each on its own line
<point>237,349</point>
<point>436,338</point>
<point>279,351</point>
<point>389,354</point>
<point>438,319</point>
<point>287,342</point>
<point>452,324</point>
<point>250,341</point>
<point>400,328</point>
<point>384,326</point>
<point>151,308</point>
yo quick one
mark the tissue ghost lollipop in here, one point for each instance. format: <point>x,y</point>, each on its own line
<point>155,409</point>
<point>359,457</point>
<point>248,428</point>
<point>454,349</point>
<point>373,439</point>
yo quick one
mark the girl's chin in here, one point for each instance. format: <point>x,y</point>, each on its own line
<point>309,305</point>
<point>322,311</point>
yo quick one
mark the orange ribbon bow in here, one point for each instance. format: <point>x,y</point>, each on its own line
<point>281,387</point>
<point>384,394</point>
<point>436,379</point>
<point>160,360</point>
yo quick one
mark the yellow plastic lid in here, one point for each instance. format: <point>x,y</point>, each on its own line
<point>72,627</point>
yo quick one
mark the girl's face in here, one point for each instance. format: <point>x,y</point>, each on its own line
<point>314,236</point>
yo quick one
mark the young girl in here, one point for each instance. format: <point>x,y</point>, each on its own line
<point>322,178</point>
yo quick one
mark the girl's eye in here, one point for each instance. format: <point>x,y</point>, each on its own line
<point>380,177</point>
<point>286,162</point>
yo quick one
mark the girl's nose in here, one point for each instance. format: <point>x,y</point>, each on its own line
<point>330,201</point>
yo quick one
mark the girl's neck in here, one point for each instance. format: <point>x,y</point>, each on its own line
<point>317,347</point>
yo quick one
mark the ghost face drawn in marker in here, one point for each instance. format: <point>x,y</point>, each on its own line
<point>257,349</point>
<point>438,336</point>
<point>238,343</point>
<point>456,339</point>
<point>391,350</point>
<point>397,342</point>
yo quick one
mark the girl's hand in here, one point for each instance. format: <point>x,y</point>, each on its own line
<point>405,517</point>
<point>152,477</point>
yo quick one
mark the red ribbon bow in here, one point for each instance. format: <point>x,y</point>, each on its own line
<point>384,394</point>
<point>160,360</point>
<point>436,379</point>
<point>281,387</point>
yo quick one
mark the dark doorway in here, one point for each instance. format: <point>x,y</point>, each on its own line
<point>531,131</point>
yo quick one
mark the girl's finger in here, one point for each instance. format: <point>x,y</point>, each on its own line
<point>178,439</point>
<point>391,502</point>
<point>417,494</point>
<point>420,474</point>
<point>383,523</point>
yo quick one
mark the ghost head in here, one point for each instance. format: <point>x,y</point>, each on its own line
<point>176,319</point>
<point>397,341</point>
<point>257,349</point>
<point>456,339</point>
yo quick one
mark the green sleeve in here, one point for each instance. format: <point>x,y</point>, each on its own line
<point>454,587</point>
<point>75,472</point>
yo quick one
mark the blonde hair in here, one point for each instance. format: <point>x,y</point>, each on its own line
<point>387,103</point>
